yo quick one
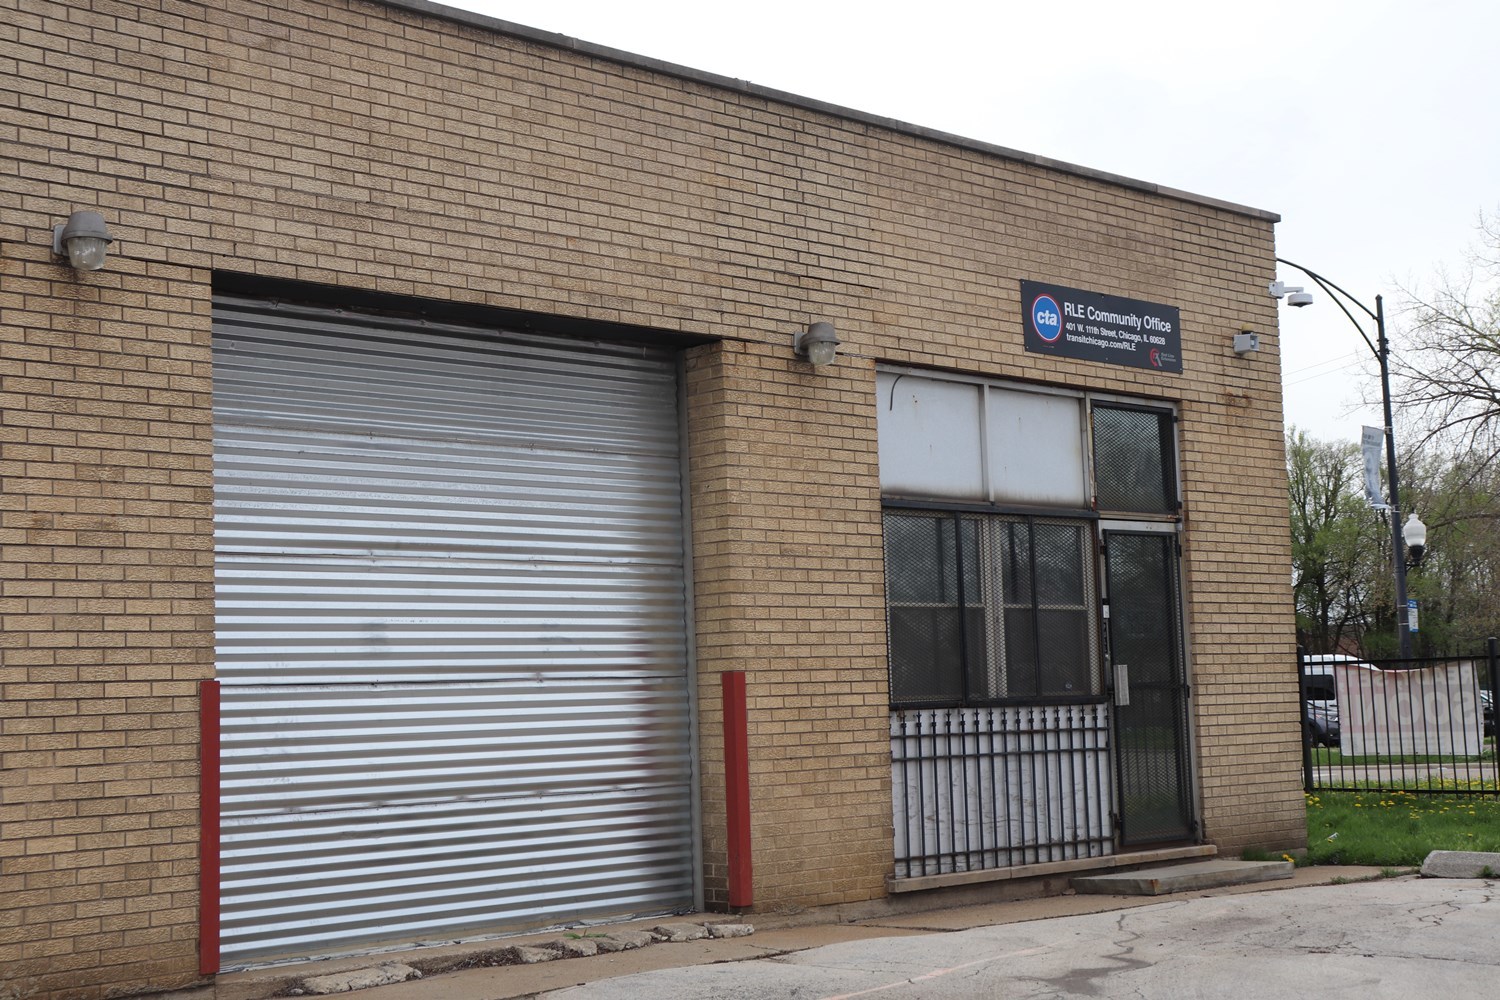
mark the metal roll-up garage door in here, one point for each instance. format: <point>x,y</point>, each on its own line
<point>451,634</point>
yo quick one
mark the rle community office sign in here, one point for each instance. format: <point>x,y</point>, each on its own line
<point>1072,323</point>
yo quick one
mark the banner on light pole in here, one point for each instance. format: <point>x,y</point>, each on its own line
<point>1371,441</point>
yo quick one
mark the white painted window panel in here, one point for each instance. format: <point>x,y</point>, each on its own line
<point>1034,444</point>
<point>929,432</point>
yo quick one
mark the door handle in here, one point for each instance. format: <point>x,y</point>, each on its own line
<point>1122,685</point>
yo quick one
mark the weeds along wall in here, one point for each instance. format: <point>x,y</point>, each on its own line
<point>404,149</point>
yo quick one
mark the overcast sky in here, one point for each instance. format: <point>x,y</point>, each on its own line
<point>1371,127</point>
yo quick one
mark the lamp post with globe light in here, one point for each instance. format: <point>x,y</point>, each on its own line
<point>1414,531</point>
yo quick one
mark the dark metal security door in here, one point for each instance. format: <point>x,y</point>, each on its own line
<point>1154,793</point>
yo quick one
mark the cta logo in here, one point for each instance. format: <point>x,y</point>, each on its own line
<point>1046,318</point>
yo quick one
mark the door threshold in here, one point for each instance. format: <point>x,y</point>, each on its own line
<point>919,883</point>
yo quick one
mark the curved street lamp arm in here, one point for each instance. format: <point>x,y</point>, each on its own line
<point>1328,284</point>
<point>1398,557</point>
<point>1338,295</point>
<point>1329,287</point>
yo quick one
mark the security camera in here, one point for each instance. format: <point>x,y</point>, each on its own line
<point>1294,294</point>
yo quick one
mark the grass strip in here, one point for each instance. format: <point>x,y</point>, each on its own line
<point>1397,828</point>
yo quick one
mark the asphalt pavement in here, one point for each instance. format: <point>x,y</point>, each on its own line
<point>1406,938</point>
<point>1318,935</point>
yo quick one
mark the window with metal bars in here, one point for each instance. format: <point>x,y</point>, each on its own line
<point>989,608</point>
<point>1134,459</point>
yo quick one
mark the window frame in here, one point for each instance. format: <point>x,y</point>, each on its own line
<point>1166,429</point>
<point>991,663</point>
<point>993,671</point>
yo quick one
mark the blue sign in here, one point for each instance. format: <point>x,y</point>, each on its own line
<point>1090,326</point>
<point>1046,317</point>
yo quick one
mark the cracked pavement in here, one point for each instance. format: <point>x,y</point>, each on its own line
<point>1404,938</point>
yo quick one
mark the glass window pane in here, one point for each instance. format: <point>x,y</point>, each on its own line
<point>1059,564</point>
<point>1066,661</point>
<point>969,557</point>
<point>921,559</point>
<point>926,655</point>
<point>924,620</point>
<point>1028,621</point>
<point>1133,460</point>
<point>1020,653</point>
<point>929,437</point>
<point>1015,560</point>
<point>985,683</point>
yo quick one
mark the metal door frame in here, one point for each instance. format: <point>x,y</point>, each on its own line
<point>1187,763</point>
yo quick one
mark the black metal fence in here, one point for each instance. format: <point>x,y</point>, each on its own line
<point>996,787</point>
<point>1420,725</point>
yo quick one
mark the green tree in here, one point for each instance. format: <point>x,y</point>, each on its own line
<point>1336,545</point>
<point>1458,495</point>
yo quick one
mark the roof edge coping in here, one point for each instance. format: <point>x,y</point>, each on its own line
<point>622,57</point>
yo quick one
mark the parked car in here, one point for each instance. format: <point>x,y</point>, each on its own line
<point>1487,709</point>
<point>1321,724</point>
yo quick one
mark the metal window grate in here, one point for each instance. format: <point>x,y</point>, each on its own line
<point>927,608</point>
<point>1134,460</point>
<point>986,608</point>
<point>997,787</point>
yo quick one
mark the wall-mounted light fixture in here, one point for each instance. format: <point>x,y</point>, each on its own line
<point>1246,342</point>
<point>83,239</point>
<point>818,343</point>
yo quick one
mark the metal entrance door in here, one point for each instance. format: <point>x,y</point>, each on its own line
<point>1154,781</point>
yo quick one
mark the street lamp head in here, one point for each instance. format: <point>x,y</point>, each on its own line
<point>1415,534</point>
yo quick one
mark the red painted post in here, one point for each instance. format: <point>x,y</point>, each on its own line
<point>208,833</point>
<point>737,787</point>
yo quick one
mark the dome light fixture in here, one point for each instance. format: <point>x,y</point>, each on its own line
<point>818,343</point>
<point>84,239</point>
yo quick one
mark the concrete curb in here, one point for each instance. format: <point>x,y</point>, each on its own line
<point>1461,864</point>
<point>573,945</point>
<point>490,968</point>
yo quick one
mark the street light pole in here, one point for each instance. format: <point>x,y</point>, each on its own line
<point>1382,354</point>
<point>1398,547</point>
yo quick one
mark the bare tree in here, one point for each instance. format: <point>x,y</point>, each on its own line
<point>1447,372</point>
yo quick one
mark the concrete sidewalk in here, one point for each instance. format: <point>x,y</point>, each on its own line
<point>489,970</point>
<point>1390,939</point>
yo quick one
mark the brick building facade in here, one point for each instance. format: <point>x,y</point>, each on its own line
<point>405,160</point>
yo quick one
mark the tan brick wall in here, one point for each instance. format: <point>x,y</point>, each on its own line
<point>789,588</point>
<point>107,619</point>
<point>273,138</point>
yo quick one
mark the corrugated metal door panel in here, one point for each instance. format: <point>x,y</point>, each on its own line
<point>451,630</point>
<point>382,811</point>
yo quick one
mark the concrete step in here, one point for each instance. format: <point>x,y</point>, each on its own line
<point>1212,874</point>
